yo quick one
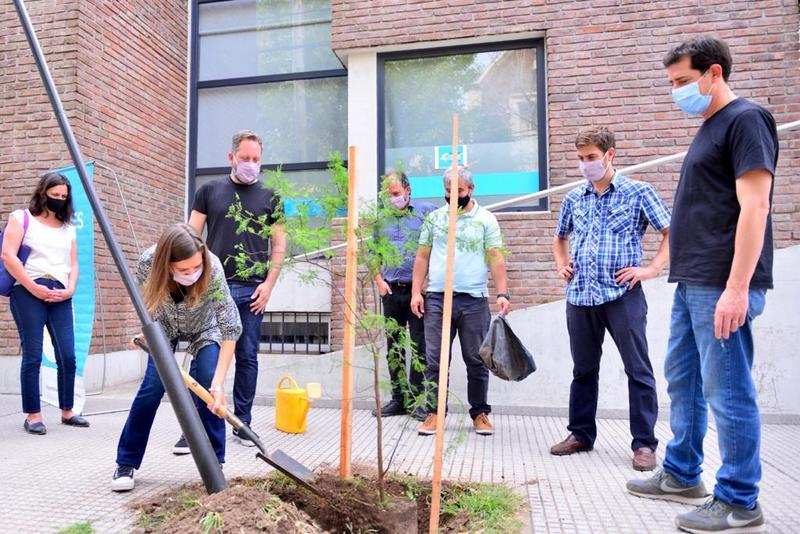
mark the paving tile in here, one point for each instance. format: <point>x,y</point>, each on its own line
<point>579,493</point>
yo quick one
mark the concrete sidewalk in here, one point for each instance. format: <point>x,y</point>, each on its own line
<point>62,478</point>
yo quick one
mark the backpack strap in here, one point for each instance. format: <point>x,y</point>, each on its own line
<point>25,221</point>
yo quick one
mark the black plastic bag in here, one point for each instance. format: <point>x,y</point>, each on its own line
<point>504,354</point>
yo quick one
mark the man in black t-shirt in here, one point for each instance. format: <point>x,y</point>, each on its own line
<point>245,256</point>
<point>721,258</point>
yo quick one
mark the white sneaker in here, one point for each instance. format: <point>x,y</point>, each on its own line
<point>123,478</point>
<point>181,447</point>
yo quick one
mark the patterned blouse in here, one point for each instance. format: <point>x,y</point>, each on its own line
<point>213,320</point>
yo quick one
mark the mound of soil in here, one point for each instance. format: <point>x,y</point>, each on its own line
<point>353,505</point>
<point>276,504</point>
<point>240,508</point>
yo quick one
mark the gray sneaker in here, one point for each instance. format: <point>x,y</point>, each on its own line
<point>719,517</point>
<point>664,486</point>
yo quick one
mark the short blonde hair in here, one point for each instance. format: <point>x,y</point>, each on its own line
<point>250,135</point>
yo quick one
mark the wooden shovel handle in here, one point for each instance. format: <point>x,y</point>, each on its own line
<point>196,388</point>
<point>206,397</point>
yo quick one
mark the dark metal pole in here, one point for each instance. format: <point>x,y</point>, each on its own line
<point>185,410</point>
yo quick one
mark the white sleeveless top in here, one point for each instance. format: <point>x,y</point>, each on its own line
<point>51,248</point>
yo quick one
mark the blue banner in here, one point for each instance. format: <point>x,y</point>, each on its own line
<point>83,301</point>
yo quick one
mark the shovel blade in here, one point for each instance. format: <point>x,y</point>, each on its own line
<point>291,468</point>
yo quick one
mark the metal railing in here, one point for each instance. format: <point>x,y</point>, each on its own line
<point>291,332</point>
<point>549,191</point>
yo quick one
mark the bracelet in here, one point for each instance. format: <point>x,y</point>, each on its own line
<point>504,296</point>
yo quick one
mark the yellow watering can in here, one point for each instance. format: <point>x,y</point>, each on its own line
<point>291,404</point>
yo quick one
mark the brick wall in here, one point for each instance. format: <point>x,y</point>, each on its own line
<point>121,70</point>
<point>604,67</point>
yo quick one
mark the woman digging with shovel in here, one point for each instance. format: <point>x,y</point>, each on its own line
<point>184,288</point>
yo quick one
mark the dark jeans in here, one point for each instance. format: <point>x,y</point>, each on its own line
<point>470,320</point>
<point>32,316</point>
<point>133,441</point>
<point>246,376</point>
<point>625,319</point>
<point>397,306</point>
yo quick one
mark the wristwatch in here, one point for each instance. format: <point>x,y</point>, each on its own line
<point>505,296</point>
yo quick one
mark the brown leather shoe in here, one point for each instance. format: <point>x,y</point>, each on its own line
<point>428,427</point>
<point>644,459</point>
<point>571,445</point>
<point>482,425</point>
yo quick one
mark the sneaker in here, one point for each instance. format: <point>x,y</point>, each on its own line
<point>665,487</point>
<point>390,408</point>
<point>482,425</point>
<point>428,427</point>
<point>181,447</point>
<point>123,478</point>
<point>717,516</point>
<point>243,440</point>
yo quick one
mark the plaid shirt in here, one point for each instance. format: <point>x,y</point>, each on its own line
<point>606,235</point>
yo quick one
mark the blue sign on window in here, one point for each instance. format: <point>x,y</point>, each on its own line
<point>443,156</point>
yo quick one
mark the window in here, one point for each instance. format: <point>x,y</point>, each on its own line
<point>498,93</point>
<point>265,65</point>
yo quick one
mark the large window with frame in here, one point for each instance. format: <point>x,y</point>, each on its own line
<point>265,65</point>
<point>498,92</point>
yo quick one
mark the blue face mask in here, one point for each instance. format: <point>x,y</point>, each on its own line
<point>690,99</point>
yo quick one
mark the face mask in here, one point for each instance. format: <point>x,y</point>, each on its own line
<point>399,202</point>
<point>55,204</point>
<point>690,99</point>
<point>462,201</point>
<point>593,170</point>
<point>188,279</point>
<point>246,172</point>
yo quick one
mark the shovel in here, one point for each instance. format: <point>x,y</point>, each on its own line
<point>277,458</point>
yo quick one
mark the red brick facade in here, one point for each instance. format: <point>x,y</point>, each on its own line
<point>604,66</point>
<point>120,68</point>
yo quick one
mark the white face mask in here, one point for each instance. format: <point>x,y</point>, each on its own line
<point>188,279</point>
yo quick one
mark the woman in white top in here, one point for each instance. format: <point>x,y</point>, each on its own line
<point>42,296</point>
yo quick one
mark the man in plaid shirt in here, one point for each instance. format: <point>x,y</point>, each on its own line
<point>605,220</point>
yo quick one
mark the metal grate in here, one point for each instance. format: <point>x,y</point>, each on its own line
<point>295,333</point>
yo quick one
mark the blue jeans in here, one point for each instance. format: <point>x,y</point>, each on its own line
<point>470,320</point>
<point>246,376</point>
<point>701,369</point>
<point>32,316</point>
<point>133,441</point>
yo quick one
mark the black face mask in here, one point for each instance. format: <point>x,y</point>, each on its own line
<point>462,201</point>
<point>56,205</point>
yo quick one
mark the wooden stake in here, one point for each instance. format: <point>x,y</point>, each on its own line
<point>346,439</point>
<point>444,353</point>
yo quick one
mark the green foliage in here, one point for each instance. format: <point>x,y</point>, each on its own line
<point>272,506</point>
<point>491,508</point>
<point>78,528</point>
<point>211,523</point>
<point>307,214</point>
<point>188,499</point>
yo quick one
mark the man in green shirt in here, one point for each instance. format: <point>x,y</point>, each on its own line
<point>478,249</point>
